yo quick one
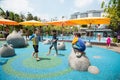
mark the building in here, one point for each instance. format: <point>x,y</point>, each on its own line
<point>90,13</point>
<point>102,29</point>
<point>75,15</point>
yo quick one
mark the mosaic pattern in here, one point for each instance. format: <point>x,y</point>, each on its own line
<point>24,67</point>
<point>46,68</point>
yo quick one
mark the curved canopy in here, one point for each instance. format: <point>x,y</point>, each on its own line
<point>91,20</point>
<point>31,23</point>
<point>61,23</point>
<point>80,21</point>
<point>8,22</point>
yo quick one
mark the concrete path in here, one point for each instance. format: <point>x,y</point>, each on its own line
<point>113,48</point>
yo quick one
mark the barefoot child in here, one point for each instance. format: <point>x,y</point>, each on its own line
<point>54,42</point>
<point>78,45</point>
<point>108,42</point>
<point>35,39</point>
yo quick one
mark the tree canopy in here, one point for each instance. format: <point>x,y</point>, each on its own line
<point>113,10</point>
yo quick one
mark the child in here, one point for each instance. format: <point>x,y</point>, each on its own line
<point>35,39</point>
<point>108,41</point>
<point>54,42</point>
<point>78,45</point>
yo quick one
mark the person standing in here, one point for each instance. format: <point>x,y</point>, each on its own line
<point>99,37</point>
<point>108,41</point>
<point>21,32</point>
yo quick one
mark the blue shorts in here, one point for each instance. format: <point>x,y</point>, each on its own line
<point>81,49</point>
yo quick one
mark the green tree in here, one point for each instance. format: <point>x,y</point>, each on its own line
<point>29,17</point>
<point>11,15</point>
<point>22,17</point>
<point>2,13</point>
<point>75,29</point>
<point>17,18</point>
<point>36,18</point>
<point>113,11</point>
<point>14,16</point>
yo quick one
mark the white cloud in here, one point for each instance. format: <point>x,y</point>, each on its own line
<point>61,1</point>
<point>74,10</point>
<point>17,6</point>
<point>83,3</point>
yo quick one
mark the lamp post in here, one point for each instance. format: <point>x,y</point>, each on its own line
<point>62,27</point>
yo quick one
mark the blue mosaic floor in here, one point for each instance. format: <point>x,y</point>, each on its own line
<point>24,67</point>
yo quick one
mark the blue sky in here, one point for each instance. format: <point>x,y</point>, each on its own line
<point>51,8</point>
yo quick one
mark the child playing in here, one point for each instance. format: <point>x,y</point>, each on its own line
<point>54,42</point>
<point>35,39</point>
<point>108,41</point>
<point>78,45</point>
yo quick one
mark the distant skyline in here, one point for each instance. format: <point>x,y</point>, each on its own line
<point>47,9</point>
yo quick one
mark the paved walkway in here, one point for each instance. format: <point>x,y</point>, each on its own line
<point>113,48</point>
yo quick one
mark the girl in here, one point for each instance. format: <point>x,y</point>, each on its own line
<point>108,42</point>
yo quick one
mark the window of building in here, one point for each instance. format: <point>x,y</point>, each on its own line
<point>83,15</point>
<point>96,14</point>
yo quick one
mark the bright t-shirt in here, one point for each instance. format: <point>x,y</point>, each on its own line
<point>35,39</point>
<point>79,43</point>
<point>108,40</point>
<point>75,40</point>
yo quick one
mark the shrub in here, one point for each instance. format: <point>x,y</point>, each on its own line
<point>114,40</point>
<point>1,35</point>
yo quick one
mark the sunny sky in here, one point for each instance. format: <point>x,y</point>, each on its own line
<point>51,8</point>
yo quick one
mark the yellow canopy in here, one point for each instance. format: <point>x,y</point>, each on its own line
<point>8,22</point>
<point>61,23</point>
<point>91,20</point>
<point>31,23</point>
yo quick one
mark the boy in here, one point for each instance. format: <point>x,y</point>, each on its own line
<point>54,42</point>
<point>35,39</point>
<point>78,45</point>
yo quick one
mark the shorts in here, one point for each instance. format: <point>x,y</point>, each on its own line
<point>81,49</point>
<point>35,48</point>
